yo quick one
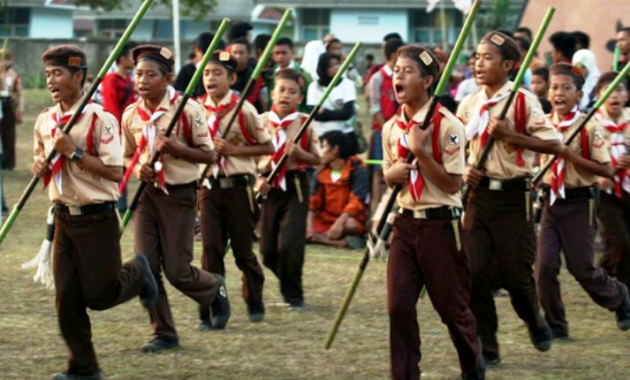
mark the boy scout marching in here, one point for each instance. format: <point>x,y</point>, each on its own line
<point>216,161</point>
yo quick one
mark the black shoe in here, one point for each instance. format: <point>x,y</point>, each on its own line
<point>256,312</point>
<point>297,306</point>
<point>562,335</point>
<point>69,376</point>
<point>159,344</point>
<point>542,337</point>
<point>623,311</point>
<point>477,374</point>
<point>149,292</point>
<point>491,359</point>
<point>220,308</point>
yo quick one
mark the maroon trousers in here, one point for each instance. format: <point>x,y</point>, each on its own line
<point>164,228</point>
<point>502,246</point>
<point>226,213</point>
<point>614,213</point>
<point>565,226</point>
<point>89,274</point>
<point>7,133</point>
<point>424,253</point>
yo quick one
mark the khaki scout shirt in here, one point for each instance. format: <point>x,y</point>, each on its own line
<point>11,86</point>
<point>576,176</point>
<point>501,163</point>
<point>624,117</point>
<point>176,171</point>
<point>452,142</point>
<point>264,164</point>
<point>253,126</point>
<point>78,186</point>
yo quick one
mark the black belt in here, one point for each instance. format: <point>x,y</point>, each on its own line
<point>85,209</point>
<point>586,192</point>
<point>443,213</point>
<point>514,184</point>
<point>239,180</point>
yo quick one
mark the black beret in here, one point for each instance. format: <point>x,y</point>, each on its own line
<point>158,54</point>
<point>226,59</point>
<point>427,60</point>
<point>506,45</point>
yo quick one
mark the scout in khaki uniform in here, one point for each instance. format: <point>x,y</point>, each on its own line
<point>499,230</point>
<point>614,210</point>
<point>426,245</point>
<point>568,219</point>
<point>283,237</point>
<point>81,182</point>
<point>226,199</point>
<point>165,215</point>
<point>12,103</point>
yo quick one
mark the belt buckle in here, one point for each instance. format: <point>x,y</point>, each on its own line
<point>75,210</point>
<point>226,182</point>
<point>495,184</point>
<point>455,212</point>
<point>419,214</point>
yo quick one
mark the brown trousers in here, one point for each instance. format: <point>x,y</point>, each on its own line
<point>502,246</point>
<point>7,132</point>
<point>164,233</point>
<point>614,213</point>
<point>424,253</point>
<point>283,238</point>
<point>89,274</point>
<point>226,213</point>
<point>565,226</point>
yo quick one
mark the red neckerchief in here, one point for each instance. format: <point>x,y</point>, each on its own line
<point>558,169</point>
<point>214,126</point>
<point>617,149</point>
<point>279,141</point>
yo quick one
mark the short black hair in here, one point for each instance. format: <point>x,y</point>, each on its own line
<point>369,56</point>
<point>563,42</point>
<point>391,47</point>
<point>127,48</point>
<point>526,30</point>
<point>582,38</point>
<point>242,41</point>
<point>523,43</point>
<point>339,139</point>
<point>204,40</point>
<point>625,29</point>
<point>261,41</point>
<point>542,72</point>
<point>392,36</point>
<point>285,41</point>
<point>569,70</point>
<point>333,41</point>
<point>606,79</point>
<point>239,30</point>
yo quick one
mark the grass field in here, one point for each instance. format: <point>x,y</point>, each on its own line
<point>285,345</point>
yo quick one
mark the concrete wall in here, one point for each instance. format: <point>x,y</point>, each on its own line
<point>50,23</point>
<point>597,20</point>
<point>368,26</point>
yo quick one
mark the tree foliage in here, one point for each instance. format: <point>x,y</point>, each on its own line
<point>199,8</point>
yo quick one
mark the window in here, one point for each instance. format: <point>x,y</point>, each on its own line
<point>15,22</point>
<point>111,28</point>
<point>315,24</point>
<point>427,27</point>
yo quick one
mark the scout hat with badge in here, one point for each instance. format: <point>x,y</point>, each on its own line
<point>506,44</point>
<point>225,59</point>
<point>427,60</point>
<point>156,54</point>
<point>68,56</point>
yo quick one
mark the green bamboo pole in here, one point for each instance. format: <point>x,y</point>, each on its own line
<point>169,129</point>
<point>600,102</point>
<point>516,85</point>
<point>5,46</point>
<point>616,57</point>
<point>255,74</point>
<point>314,112</point>
<point>85,100</point>
<point>392,199</point>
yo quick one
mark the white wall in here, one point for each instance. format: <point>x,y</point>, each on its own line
<point>369,26</point>
<point>144,31</point>
<point>51,23</point>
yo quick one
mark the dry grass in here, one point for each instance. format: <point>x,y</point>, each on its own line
<point>285,345</point>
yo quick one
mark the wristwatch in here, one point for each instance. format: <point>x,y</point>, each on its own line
<point>77,155</point>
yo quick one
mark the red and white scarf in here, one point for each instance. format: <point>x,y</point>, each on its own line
<point>478,125</point>
<point>416,182</point>
<point>214,126</point>
<point>279,141</point>
<point>558,169</point>
<point>58,160</point>
<point>618,149</point>
<point>149,132</point>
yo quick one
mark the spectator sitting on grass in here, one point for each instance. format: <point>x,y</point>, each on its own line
<point>338,192</point>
